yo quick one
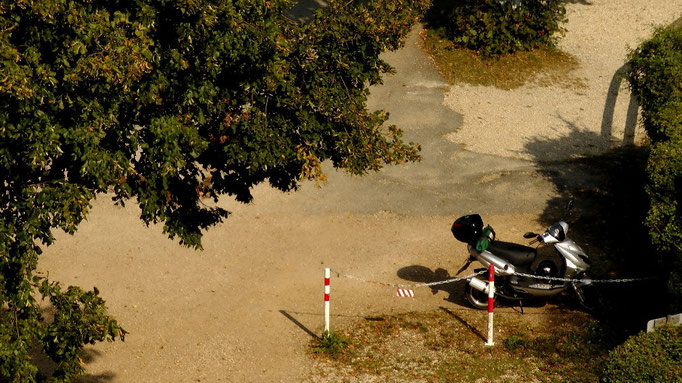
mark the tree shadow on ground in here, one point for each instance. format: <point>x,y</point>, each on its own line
<point>610,208</point>
<point>96,378</point>
<point>46,367</point>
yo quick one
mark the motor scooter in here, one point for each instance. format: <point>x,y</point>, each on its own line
<point>519,272</point>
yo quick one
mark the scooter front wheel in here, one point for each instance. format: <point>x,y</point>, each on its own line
<point>478,299</point>
<point>589,297</point>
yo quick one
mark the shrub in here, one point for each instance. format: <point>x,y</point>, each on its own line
<point>648,358</point>
<point>654,64</point>
<point>494,27</point>
<point>656,79</point>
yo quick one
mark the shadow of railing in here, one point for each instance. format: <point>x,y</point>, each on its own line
<point>631,117</point>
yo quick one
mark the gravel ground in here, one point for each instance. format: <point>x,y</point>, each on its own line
<point>555,122</point>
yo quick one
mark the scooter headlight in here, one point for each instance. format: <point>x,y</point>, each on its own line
<point>558,231</point>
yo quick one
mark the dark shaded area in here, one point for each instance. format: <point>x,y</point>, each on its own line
<point>611,204</point>
<point>375,319</point>
<point>435,17</point>
<point>47,366</point>
<point>99,378</point>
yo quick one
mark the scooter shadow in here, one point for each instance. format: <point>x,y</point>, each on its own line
<point>423,274</point>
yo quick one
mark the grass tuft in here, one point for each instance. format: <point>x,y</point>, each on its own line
<point>332,345</point>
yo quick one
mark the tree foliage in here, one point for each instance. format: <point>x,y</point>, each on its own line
<point>496,27</point>
<point>656,78</point>
<point>167,103</point>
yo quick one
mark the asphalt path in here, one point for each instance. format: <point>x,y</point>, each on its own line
<point>448,180</point>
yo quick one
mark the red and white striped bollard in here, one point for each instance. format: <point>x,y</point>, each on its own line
<point>491,303</point>
<point>327,276</point>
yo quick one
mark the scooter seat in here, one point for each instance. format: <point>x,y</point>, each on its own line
<point>517,255</point>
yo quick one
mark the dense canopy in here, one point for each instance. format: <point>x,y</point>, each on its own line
<point>166,103</point>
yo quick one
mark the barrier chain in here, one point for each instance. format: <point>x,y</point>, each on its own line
<point>451,280</point>
<point>621,280</point>
<point>490,289</point>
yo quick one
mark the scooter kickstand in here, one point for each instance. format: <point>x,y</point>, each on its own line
<point>521,305</point>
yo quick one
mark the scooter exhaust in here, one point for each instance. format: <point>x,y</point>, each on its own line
<point>479,285</point>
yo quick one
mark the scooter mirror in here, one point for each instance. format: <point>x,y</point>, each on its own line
<point>530,234</point>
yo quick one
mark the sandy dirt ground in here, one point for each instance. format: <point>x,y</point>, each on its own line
<point>243,309</point>
<point>594,114</point>
<point>246,308</point>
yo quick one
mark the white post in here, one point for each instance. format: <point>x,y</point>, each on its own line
<point>327,275</point>
<point>491,303</point>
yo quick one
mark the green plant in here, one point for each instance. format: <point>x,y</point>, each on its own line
<point>331,344</point>
<point>654,357</point>
<point>656,79</point>
<point>495,27</point>
<point>167,104</point>
<point>515,341</point>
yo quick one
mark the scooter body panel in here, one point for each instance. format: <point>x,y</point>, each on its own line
<point>573,254</point>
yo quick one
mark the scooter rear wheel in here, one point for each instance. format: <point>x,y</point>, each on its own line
<point>477,299</point>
